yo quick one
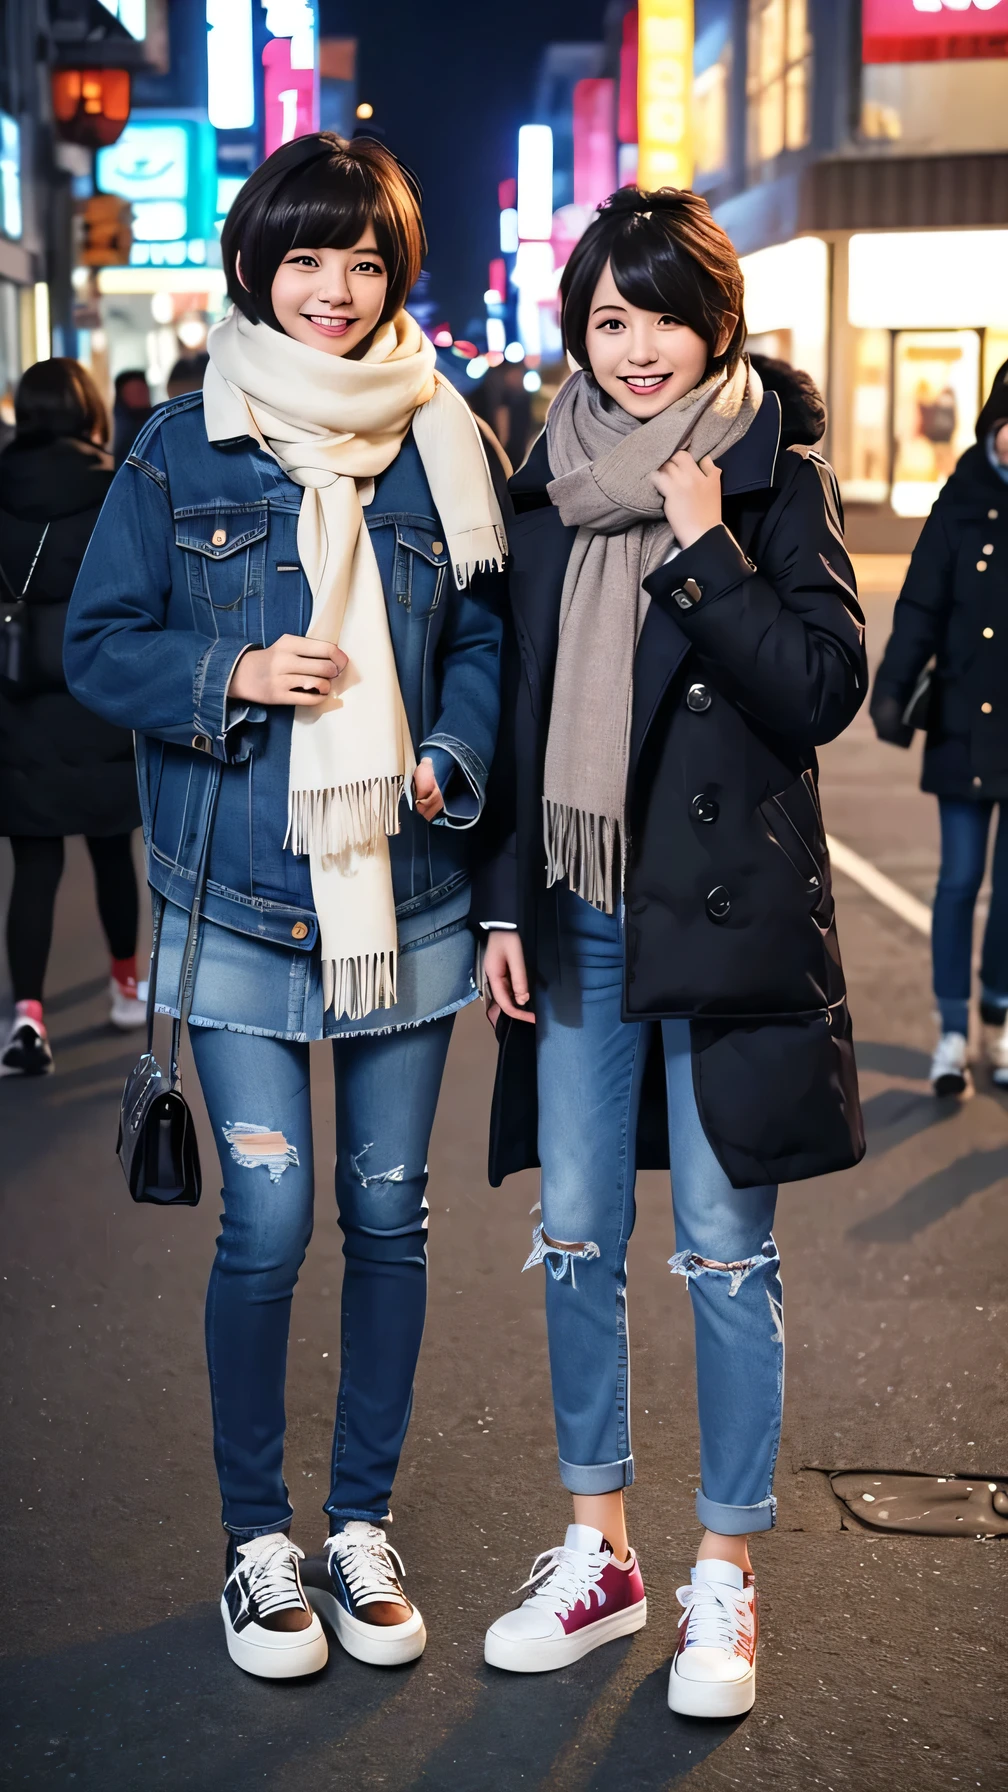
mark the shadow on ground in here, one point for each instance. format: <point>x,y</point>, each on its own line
<point>934,1197</point>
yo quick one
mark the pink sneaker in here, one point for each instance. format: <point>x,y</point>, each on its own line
<point>714,1667</point>
<point>581,1599</point>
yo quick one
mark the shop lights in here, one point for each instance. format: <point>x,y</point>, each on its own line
<point>928,280</point>
<point>509,230</point>
<point>477,367</point>
<point>532,381</point>
<point>535,183</point>
<point>90,105</point>
<point>664,85</point>
<point>514,352</point>
<point>534,273</point>
<point>230,75</point>
<point>442,339</point>
<point>496,335</point>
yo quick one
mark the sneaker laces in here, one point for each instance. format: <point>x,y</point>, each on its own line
<point>368,1564</point>
<point>716,1617</point>
<point>271,1577</point>
<point>565,1578</point>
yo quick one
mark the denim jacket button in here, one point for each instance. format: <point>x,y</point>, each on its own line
<point>219,537</point>
<point>201,742</point>
<point>299,931</point>
<point>437,547</point>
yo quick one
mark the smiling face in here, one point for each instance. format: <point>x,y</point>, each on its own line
<point>331,299</point>
<point>645,360</point>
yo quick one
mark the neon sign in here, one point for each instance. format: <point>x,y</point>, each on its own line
<point>290,71</point>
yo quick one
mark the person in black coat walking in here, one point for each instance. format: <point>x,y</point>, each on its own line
<point>62,769</point>
<point>949,612</point>
<point>656,886</point>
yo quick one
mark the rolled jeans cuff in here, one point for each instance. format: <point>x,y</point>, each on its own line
<point>344,1514</point>
<point>736,1521</point>
<point>597,1477</point>
<point>246,1534</point>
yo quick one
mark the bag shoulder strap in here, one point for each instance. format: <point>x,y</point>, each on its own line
<point>19,596</point>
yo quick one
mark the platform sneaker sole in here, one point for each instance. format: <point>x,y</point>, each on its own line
<point>541,1655</point>
<point>711,1698</point>
<point>277,1661</point>
<point>380,1645</point>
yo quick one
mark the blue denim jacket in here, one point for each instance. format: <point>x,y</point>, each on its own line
<point>193,559</point>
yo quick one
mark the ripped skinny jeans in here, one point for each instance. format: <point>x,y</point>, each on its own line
<point>590,1072</point>
<point>257,1094</point>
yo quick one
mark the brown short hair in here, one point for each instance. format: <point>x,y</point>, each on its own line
<point>321,192</point>
<point>667,254</point>
<point>59,398</point>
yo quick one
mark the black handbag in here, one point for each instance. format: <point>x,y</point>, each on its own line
<point>157,1138</point>
<point>918,712</point>
<point>15,624</point>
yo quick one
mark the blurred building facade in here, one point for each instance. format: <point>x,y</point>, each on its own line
<point>856,151</point>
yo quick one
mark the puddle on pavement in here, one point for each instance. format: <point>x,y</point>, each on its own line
<point>925,1505</point>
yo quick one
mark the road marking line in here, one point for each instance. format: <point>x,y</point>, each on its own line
<point>915,913</point>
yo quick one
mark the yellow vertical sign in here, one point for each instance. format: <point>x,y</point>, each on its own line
<point>664,89</point>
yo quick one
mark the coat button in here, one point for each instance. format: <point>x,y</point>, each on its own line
<point>698,698</point>
<point>704,808</point>
<point>992,516</point>
<point>437,547</point>
<point>981,566</point>
<point>219,537</point>
<point>718,903</point>
<point>201,742</point>
<point>987,708</point>
<point>977,783</point>
<point>988,634</point>
<point>988,547</point>
<point>299,931</point>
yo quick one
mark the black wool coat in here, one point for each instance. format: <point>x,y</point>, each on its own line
<point>953,608</point>
<point>729,910</point>
<point>62,769</point>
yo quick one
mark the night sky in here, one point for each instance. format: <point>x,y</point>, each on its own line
<point>451,81</point>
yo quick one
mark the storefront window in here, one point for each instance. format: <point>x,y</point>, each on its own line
<point>778,78</point>
<point>870,444</point>
<point>995,354</point>
<point>711,88</point>
<point>936,386</point>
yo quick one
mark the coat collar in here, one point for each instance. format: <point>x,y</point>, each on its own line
<point>748,466</point>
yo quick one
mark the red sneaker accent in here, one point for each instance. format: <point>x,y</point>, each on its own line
<point>621,1587</point>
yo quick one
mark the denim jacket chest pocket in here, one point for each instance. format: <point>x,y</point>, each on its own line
<point>419,567</point>
<point>224,550</point>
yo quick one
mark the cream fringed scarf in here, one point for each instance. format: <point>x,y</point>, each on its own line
<point>334,425</point>
<point>603,460</point>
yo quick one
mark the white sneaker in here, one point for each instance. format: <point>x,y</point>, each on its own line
<point>949,1068</point>
<point>582,1598</point>
<point>997,1057</point>
<point>26,1050</point>
<point>128,1004</point>
<point>714,1667</point>
<point>359,1570</point>
<point>270,1627</point>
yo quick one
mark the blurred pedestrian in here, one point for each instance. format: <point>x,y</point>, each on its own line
<point>62,769</point>
<point>187,375</point>
<point>951,611</point>
<point>232,579</point>
<point>657,886</point>
<point>130,411</point>
<point>502,401</point>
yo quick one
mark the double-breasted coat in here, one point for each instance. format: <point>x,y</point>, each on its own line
<point>729,908</point>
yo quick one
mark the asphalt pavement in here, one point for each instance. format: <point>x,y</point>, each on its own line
<point>881,1664</point>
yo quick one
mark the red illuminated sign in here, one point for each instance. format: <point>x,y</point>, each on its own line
<point>933,30</point>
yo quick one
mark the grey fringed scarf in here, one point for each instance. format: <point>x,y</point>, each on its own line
<point>603,460</point>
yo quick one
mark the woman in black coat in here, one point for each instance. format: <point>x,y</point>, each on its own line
<point>62,769</point>
<point>950,611</point>
<point>656,886</point>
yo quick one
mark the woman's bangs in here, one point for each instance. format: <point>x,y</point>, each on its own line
<point>328,209</point>
<point>649,272</point>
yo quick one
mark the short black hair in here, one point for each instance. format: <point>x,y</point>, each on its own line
<point>667,254</point>
<point>59,398</point>
<point>321,192</point>
<point>129,373</point>
<point>187,374</point>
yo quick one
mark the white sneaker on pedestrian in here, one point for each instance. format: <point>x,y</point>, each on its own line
<point>997,1057</point>
<point>271,1630</point>
<point>582,1597</point>
<point>950,1073</point>
<point>358,1577</point>
<point>128,1004</point>
<point>714,1667</point>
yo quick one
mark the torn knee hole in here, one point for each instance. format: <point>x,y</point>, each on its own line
<point>559,1254</point>
<point>396,1174</point>
<point>255,1147</point>
<point>690,1264</point>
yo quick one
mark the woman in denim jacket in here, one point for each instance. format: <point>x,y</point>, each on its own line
<point>289,598</point>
